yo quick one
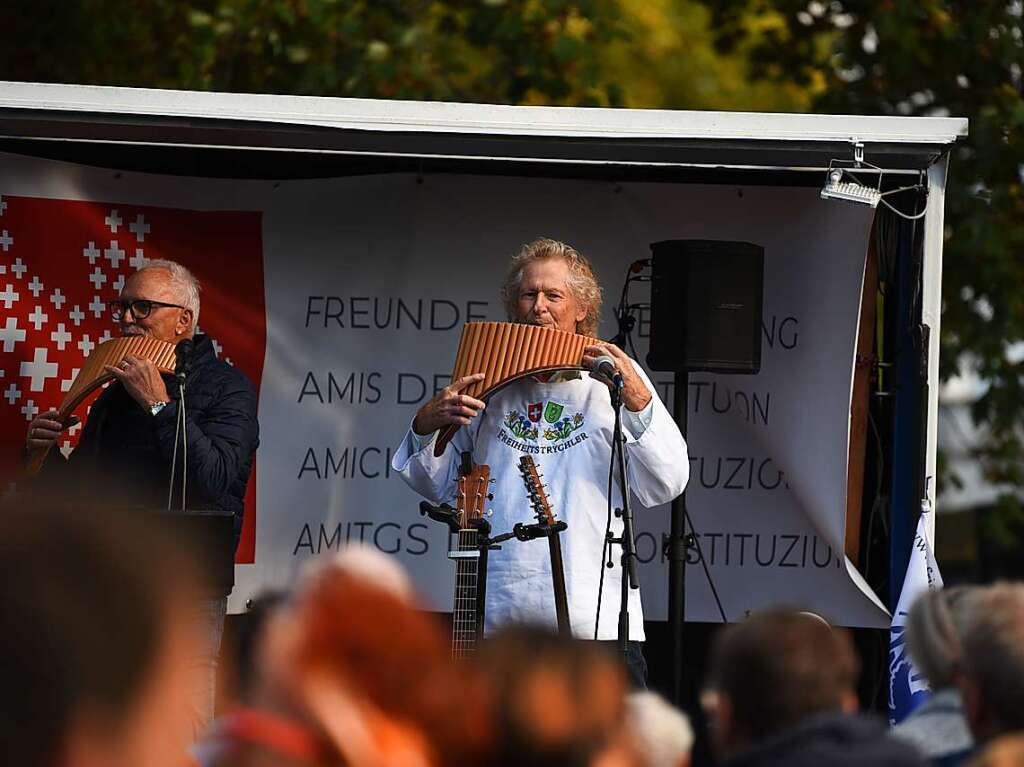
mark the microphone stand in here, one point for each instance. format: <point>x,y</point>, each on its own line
<point>183,353</point>
<point>630,577</point>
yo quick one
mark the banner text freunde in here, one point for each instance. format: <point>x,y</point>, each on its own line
<point>389,313</point>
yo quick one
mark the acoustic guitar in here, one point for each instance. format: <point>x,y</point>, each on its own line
<point>467,619</point>
<point>546,517</point>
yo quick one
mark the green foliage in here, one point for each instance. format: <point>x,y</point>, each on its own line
<point>501,51</point>
<point>666,58</point>
<point>934,57</point>
<point>640,53</point>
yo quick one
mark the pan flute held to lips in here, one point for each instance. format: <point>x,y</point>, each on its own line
<point>92,376</point>
<point>505,352</point>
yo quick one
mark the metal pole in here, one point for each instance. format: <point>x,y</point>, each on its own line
<point>676,546</point>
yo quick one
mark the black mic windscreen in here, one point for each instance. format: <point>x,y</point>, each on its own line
<point>184,348</point>
<point>183,351</point>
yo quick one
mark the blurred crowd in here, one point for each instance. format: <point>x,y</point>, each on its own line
<point>347,668</point>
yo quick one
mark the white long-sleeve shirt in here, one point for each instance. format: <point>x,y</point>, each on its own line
<point>566,426</point>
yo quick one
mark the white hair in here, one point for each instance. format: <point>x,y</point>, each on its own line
<point>184,284</point>
<point>366,563</point>
<point>661,732</point>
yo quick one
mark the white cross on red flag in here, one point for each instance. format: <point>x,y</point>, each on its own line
<point>62,261</point>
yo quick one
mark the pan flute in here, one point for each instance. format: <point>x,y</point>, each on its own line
<point>92,376</point>
<point>505,352</point>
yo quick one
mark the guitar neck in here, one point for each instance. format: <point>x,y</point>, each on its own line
<point>471,495</point>
<point>558,582</point>
<point>545,516</point>
<point>464,611</point>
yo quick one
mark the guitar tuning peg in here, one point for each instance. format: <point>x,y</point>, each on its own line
<point>489,513</point>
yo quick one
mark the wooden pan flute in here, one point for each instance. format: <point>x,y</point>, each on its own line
<point>92,376</point>
<point>505,352</point>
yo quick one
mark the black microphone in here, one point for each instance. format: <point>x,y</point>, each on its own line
<point>183,352</point>
<point>606,366</point>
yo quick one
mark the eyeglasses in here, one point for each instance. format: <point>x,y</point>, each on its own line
<point>139,307</point>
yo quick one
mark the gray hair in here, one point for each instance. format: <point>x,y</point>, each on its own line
<point>184,284</point>
<point>993,651</point>
<point>935,627</point>
<point>582,281</point>
<point>661,732</point>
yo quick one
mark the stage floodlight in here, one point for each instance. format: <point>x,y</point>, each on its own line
<point>837,189</point>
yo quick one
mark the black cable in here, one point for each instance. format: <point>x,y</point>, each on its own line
<point>174,457</point>
<point>629,338</point>
<point>876,501</point>
<point>184,442</point>
<point>625,333</point>
<point>704,564</point>
<point>606,548</point>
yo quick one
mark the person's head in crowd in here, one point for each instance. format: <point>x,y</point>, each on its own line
<point>934,631</point>
<point>992,666</point>
<point>934,628</point>
<point>365,563</point>
<point>96,641</point>
<point>559,702</point>
<point>551,284</point>
<point>660,732</point>
<point>774,671</point>
<point>355,657</point>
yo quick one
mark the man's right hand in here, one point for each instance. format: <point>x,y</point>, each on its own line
<point>45,429</point>
<point>449,407</point>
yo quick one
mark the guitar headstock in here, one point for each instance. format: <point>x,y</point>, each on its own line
<point>472,492</point>
<point>535,489</point>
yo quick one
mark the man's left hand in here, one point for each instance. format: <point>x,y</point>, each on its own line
<point>141,379</point>
<point>635,394</point>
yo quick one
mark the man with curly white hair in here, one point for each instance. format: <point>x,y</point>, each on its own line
<point>565,420</point>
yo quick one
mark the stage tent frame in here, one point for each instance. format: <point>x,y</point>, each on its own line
<point>267,136</point>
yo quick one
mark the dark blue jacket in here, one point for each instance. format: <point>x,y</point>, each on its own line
<point>124,454</point>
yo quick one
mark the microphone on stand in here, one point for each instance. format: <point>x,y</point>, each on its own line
<point>606,366</point>
<point>183,352</point>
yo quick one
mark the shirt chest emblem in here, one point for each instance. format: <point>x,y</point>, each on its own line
<point>543,420</point>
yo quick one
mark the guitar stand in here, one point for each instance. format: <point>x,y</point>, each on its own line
<point>448,516</point>
<point>537,530</point>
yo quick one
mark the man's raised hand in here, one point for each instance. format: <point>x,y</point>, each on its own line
<point>45,429</point>
<point>635,394</point>
<point>449,407</point>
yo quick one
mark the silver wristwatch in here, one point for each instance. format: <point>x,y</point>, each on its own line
<point>156,407</point>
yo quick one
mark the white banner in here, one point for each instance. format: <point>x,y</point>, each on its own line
<point>368,281</point>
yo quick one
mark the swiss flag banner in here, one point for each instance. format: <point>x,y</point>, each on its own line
<point>63,261</point>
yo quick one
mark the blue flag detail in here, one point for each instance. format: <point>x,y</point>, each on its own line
<point>908,688</point>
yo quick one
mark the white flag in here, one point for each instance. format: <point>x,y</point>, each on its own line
<point>907,686</point>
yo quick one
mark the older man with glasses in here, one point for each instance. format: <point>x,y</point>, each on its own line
<point>124,455</point>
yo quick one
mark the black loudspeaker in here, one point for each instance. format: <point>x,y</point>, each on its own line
<point>706,300</point>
